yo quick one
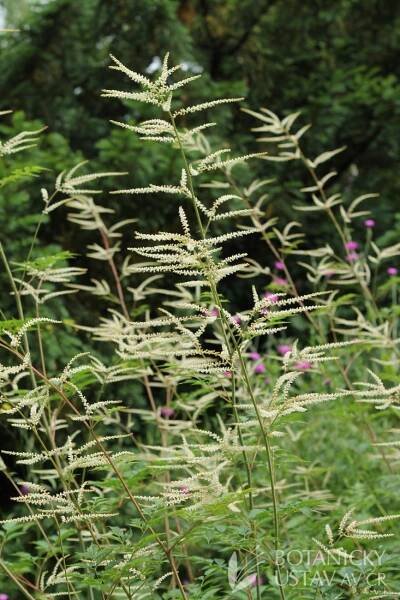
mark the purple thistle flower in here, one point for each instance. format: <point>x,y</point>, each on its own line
<point>260,368</point>
<point>280,265</point>
<point>166,412</point>
<point>303,365</point>
<point>351,245</point>
<point>254,356</point>
<point>284,349</point>
<point>24,491</point>
<point>392,271</point>
<point>369,223</point>
<point>4,597</point>
<point>352,257</point>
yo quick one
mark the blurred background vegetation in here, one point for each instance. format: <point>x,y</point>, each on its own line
<point>336,62</point>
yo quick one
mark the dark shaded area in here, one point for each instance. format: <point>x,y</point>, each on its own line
<point>337,63</point>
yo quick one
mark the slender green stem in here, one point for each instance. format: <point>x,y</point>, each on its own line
<point>63,559</point>
<point>233,347</point>
<point>18,302</point>
<point>40,340</point>
<point>35,236</point>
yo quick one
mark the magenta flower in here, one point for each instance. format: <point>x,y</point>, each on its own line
<point>392,271</point>
<point>228,374</point>
<point>351,245</point>
<point>280,265</point>
<point>184,489</point>
<point>4,597</point>
<point>271,297</point>
<point>166,412</point>
<point>369,223</point>
<point>352,257</point>
<point>237,319</point>
<point>254,356</point>
<point>281,281</point>
<point>284,349</point>
<point>214,312</point>
<point>303,365</point>
<point>260,368</point>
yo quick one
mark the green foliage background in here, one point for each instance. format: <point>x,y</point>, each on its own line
<point>335,62</point>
